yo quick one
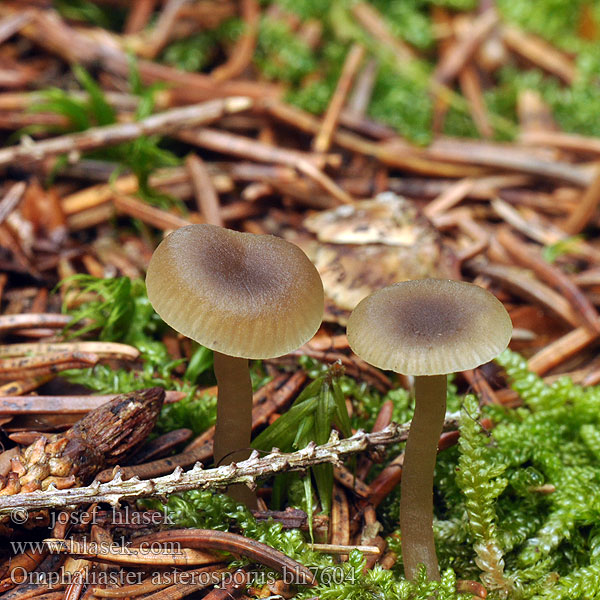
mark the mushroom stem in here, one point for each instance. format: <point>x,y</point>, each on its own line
<point>233,429</point>
<point>416,491</point>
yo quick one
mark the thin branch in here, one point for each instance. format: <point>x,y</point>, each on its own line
<point>33,320</point>
<point>12,24</point>
<point>11,199</point>
<point>243,51</point>
<point>457,57</point>
<point>322,141</point>
<point>246,472</point>
<point>50,405</point>
<point>110,135</point>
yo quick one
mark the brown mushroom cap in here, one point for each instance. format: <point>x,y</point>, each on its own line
<point>429,327</point>
<point>241,294</point>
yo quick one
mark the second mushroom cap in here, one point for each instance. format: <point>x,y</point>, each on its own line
<point>429,327</point>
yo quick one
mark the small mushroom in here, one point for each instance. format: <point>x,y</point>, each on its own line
<point>243,296</point>
<point>426,328</point>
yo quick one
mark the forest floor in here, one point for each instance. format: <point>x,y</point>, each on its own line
<point>390,141</point>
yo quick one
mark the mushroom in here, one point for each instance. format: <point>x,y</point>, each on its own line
<point>243,296</point>
<point>426,328</point>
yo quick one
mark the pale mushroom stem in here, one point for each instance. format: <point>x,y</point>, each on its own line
<point>233,430</point>
<point>416,491</point>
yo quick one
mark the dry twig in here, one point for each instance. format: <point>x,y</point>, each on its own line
<point>246,472</point>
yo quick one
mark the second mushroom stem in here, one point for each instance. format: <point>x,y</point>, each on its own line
<point>233,429</point>
<point>416,491</point>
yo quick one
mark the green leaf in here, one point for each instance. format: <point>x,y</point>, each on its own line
<point>564,246</point>
<point>308,494</point>
<point>323,474</point>
<point>200,362</point>
<point>103,112</point>
<point>57,101</point>
<point>282,433</point>
<point>342,419</point>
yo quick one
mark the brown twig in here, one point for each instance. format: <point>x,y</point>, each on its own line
<point>162,445</point>
<point>11,199</point>
<point>483,389</point>
<point>549,273</point>
<point>523,284</point>
<point>539,52</point>
<point>157,217</point>
<point>207,200</point>
<point>370,18</point>
<point>506,157</point>
<point>586,208</point>
<point>353,364</point>
<point>103,349</point>
<point>449,198</point>
<point>23,386</point>
<point>242,52</point>
<point>360,97</point>
<point>351,482</point>
<point>535,116</point>
<point>30,321</point>
<point>48,30</point>
<point>247,148</point>
<point>339,523</point>
<point>48,405</point>
<point>161,33</point>
<point>110,135</point>
<point>470,85</point>
<point>560,350</point>
<point>225,541</point>
<point>139,15</point>
<point>462,219</point>
<point>565,141</point>
<point>394,153</point>
<point>41,364</point>
<point>384,418</point>
<point>391,476</point>
<point>322,140</point>
<point>12,24</point>
<point>309,164</point>
<point>130,555</point>
<point>456,58</point>
<point>543,233</point>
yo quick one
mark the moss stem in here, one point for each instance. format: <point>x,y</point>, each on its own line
<point>416,500</point>
<point>233,429</point>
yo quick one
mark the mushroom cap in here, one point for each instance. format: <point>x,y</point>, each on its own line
<point>241,294</point>
<point>429,327</point>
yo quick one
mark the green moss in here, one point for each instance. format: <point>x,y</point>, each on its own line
<point>191,54</point>
<point>198,51</point>
<point>403,101</point>
<point>109,17</point>
<point>306,9</point>
<point>142,156</point>
<point>281,55</point>
<point>554,20</point>
<point>195,413</point>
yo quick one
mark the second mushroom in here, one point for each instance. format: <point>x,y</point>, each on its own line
<point>427,328</point>
<point>245,296</point>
